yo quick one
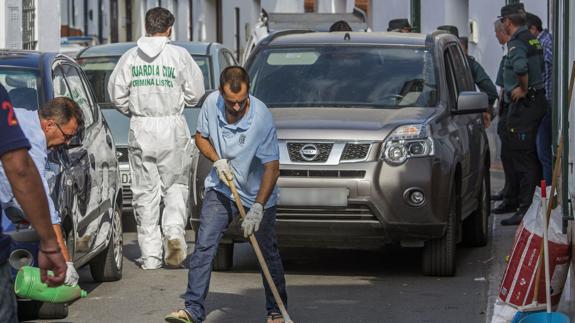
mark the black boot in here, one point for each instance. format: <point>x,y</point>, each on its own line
<point>504,207</point>
<point>515,219</point>
<point>497,196</point>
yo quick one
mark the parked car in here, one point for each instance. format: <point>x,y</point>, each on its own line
<point>98,63</point>
<point>381,141</point>
<point>72,45</point>
<point>85,183</point>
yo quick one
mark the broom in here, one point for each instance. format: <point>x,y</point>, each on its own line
<point>259,255</point>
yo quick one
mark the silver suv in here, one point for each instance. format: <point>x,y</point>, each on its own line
<point>381,141</point>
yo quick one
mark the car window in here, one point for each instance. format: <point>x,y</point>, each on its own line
<point>230,58</point>
<point>223,61</point>
<point>345,76</point>
<point>77,92</point>
<point>22,87</point>
<point>450,77</point>
<point>99,69</point>
<point>461,68</point>
<point>204,65</point>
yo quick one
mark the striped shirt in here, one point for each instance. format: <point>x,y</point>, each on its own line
<point>547,43</point>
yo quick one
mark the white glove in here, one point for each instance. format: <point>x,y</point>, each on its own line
<point>223,170</point>
<point>251,223</point>
<point>71,275</point>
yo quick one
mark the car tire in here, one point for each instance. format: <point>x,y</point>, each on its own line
<point>476,226</point>
<point>439,254</point>
<point>224,259</point>
<point>35,310</point>
<point>107,266</point>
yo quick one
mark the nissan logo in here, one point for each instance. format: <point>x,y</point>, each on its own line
<point>309,152</point>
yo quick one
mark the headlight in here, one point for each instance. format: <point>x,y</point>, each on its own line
<point>408,141</point>
<point>119,154</point>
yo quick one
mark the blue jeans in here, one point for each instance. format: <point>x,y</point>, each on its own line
<point>217,212</point>
<point>544,147</point>
<point>8,307</point>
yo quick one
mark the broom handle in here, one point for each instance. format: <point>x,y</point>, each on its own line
<point>555,176</point>
<point>260,257</point>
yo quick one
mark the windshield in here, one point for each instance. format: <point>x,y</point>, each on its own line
<point>22,87</point>
<point>99,69</point>
<point>345,76</point>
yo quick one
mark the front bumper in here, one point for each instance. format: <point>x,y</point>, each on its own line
<point>376,211</point>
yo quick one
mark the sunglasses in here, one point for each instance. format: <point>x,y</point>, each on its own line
<point>242,103</point>
<point>67,137</point>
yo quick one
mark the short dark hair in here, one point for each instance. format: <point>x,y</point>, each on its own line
<point>464,42</point>
<point>62,110</point>
<point>340,25</point>
<point>517,19</point>
<point>158,20</point>
<point>235,76</point>
<point>534,20</point>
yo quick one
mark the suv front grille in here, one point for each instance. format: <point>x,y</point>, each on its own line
<point>323,151</point>
<point>351,213</point>
<point>355,151</point>
<point>322,173</point>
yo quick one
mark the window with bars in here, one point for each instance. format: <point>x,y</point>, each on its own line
<point>28,24</point>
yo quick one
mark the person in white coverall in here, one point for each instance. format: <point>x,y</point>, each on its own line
<point>54,124</point>
<point>151,84</point>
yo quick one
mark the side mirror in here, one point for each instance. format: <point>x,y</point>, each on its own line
<point>471,102</point>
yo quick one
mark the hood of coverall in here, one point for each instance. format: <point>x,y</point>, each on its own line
<point>152,46</point>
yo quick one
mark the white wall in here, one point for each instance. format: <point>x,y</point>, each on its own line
<point>382,12</point>
<point>11,24</point>
<point>487,51</point>
<point>334,6</point>
<point>48,26</point>
<point>183,22</point>
<point>457,14</point>
<point>205,27</point>
<point>229,22</point>
<point>285,6</point>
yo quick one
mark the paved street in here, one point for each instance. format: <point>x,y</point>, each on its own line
<point>323,286</point>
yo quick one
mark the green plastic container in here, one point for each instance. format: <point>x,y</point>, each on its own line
<point>29,285</point>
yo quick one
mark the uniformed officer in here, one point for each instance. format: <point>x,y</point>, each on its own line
<point>510,190</point>
<point>524,90</point>
<point>481,79</point>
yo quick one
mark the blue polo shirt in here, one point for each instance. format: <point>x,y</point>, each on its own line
<point>247,144</point>
<point>11,138</point>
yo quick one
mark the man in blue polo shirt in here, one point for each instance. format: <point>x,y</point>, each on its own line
<point>236,132</point>
<point>28,190</point>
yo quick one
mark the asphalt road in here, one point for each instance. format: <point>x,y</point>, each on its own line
<point>323,286</point>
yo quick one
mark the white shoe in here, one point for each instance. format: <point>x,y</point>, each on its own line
<point>150,263</point>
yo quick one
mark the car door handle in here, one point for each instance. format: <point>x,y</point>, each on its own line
<point>92,161</point>
<point>109,141</point>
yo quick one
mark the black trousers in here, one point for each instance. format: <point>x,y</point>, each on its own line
<point>511,187</point>
<point>523,119</point>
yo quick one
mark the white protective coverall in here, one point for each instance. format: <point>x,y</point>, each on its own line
<point>152,83</point>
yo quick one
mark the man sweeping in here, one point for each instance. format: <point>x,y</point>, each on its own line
<point>236,132</point>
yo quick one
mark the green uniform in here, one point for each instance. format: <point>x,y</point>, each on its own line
<point>522,117</point>
<point>482,81</point>
<point>524,56</point>
<point>499,78</point>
